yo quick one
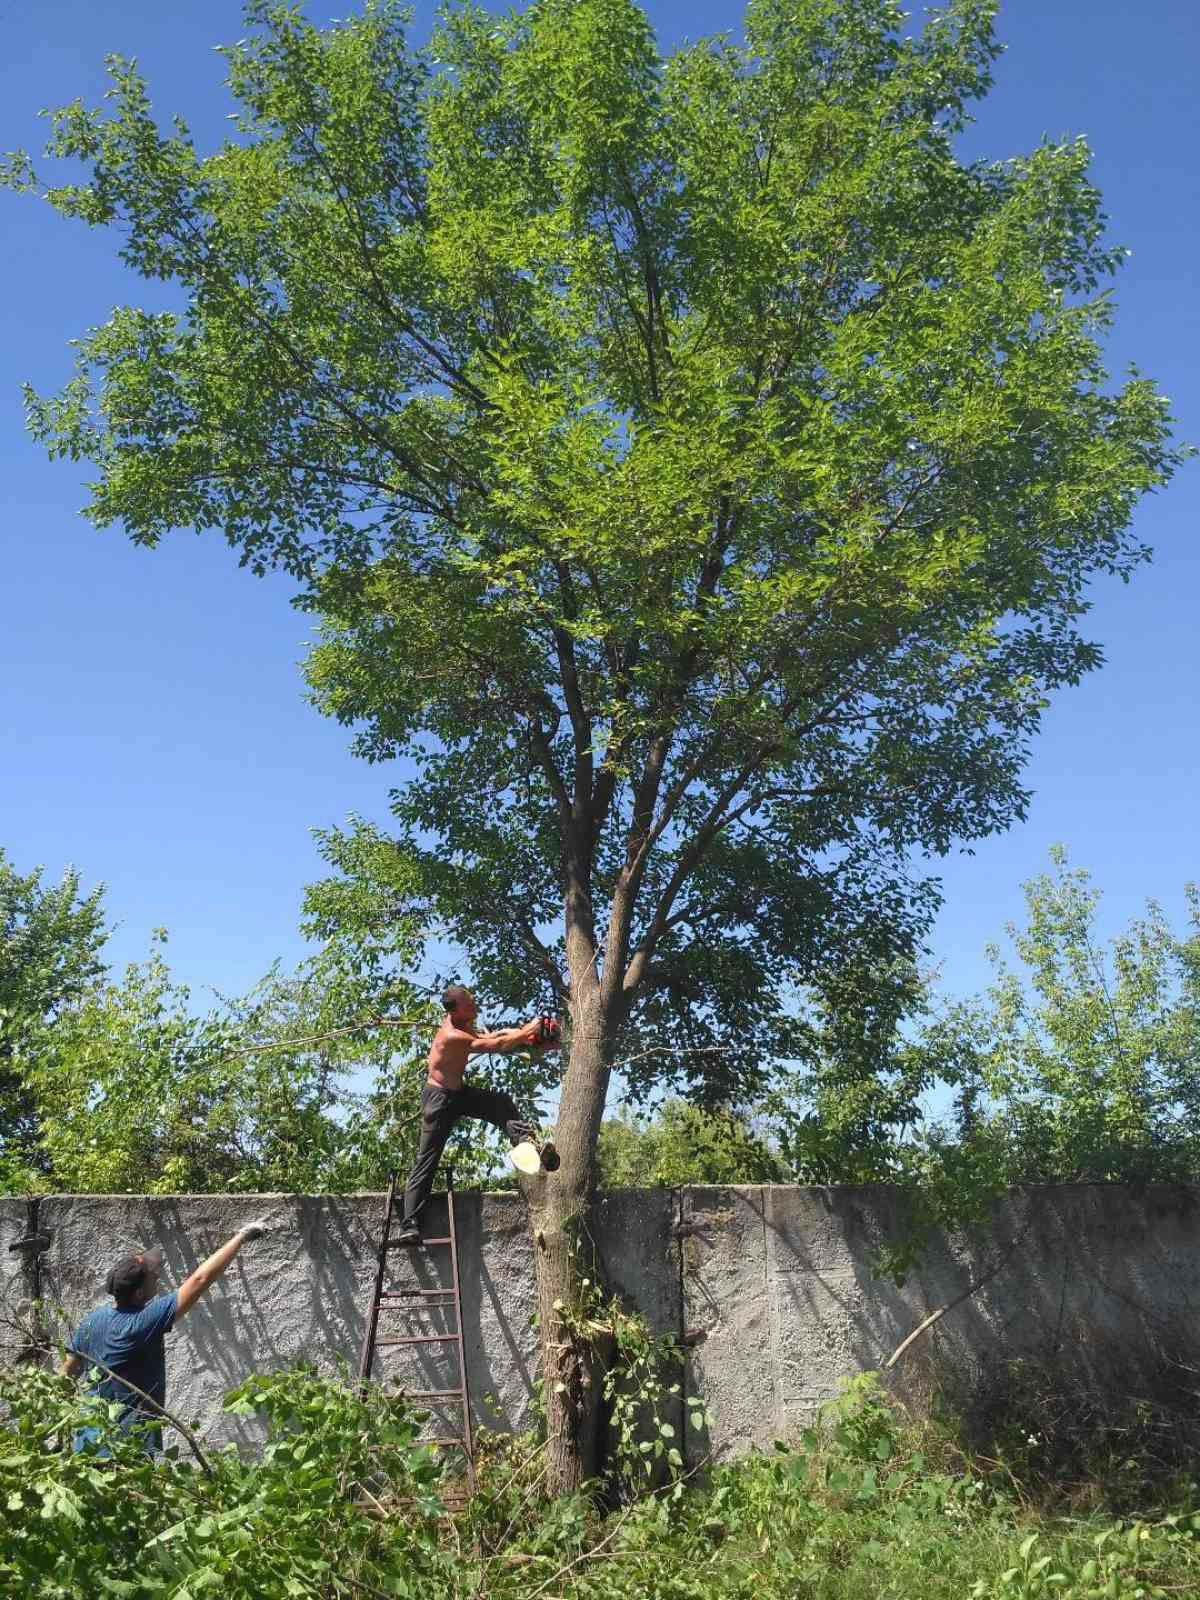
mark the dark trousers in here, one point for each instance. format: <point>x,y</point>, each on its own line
<point>440,1111</point>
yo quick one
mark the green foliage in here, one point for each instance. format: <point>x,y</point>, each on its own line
<point>1081,1065</point>
<point>683,1144</point>
<point>869,1506</point>
<point>119,1084</point>
<point>840,1115</point>
<point>697,470</point>
<point>136,1092</point>
<point>1086,1064</point>
<point>285,1525</point>
<point>1099,1423</point>
<point>50,944</point>
<point>864,1505</point>
<point>1136,1562</point>
<point>124,1086</point>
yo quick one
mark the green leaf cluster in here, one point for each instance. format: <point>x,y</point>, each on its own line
<point>1079,1064</point>
<point>51,938</point>
<point>1082,1064</point>
<point>683,1144</point>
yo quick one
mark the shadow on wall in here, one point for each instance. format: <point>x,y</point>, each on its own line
<point>302,1292</point>
<point>770,1287</point>
<point>1082,1355</point>
<point>19,1329</point>
<point>778,1283</point>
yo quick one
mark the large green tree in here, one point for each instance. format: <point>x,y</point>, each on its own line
<point>697,467</point>
<point>1082,1062</point>
<point>51,938</point>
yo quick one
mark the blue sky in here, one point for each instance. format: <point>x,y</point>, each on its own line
<point>154,728</point>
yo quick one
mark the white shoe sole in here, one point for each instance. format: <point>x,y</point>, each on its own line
<point>525,1158</point>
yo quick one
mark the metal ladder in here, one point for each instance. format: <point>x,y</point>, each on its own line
<point>412,1299</point>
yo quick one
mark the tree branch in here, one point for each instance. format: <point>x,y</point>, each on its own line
<point>655,331</point>
<point>525,930</point>
<point>625,893</point>
<point>159,1408</point>
<point>936,1316</point>
<point>445,370</point>
<point>581,726</point>
<point>540,740</point>
<point>690,857</point>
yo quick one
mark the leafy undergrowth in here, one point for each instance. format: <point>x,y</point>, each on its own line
<point>346,1502</point>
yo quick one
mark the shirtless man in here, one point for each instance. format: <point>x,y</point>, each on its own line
<point>445,1097</point>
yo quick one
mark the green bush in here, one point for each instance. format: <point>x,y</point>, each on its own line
<point>864,1505</point>
<point>288,1524</point>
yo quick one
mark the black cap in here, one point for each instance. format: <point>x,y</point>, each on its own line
<point>131,1272</point>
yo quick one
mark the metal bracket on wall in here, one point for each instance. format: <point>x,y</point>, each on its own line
<point>36,1242</point>
<point>31,1247</point>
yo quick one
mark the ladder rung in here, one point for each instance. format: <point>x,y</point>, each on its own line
<point>422,1338</point>
<point>409,1294</point>
<point>410,1297</point>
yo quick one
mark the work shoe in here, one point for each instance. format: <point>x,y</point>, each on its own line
<point>550,1157</point>
<point>410,1233</point>
<point>518,1131</point>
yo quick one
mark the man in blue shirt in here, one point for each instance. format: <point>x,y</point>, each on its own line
<point>128,1337</point>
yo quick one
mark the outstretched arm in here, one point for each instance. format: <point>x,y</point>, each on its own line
<point>502,1040</point>
<point>207,1273</point>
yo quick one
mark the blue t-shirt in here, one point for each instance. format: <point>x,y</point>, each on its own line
<point>130,1341</point>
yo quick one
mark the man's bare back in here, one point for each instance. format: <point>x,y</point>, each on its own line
<point>458,1039</point>
<point>448,1056</point>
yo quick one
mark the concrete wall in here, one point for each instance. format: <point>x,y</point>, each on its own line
<point>15,1284</point>
<point>770,1287</point>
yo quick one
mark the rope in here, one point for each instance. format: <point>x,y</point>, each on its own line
<point>673,1050</point>
<point>334,1033</point>
<point>412,1026</point>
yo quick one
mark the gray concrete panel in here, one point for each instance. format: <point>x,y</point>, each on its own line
<point>832,1315</point>
<point>728,1319</point>
<point>771,1288</point>
<point>499,1302</point>
<point>639,1252</point>
<point>640,1262</point>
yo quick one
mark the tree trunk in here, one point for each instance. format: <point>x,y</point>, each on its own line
<point>560,1216</point>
